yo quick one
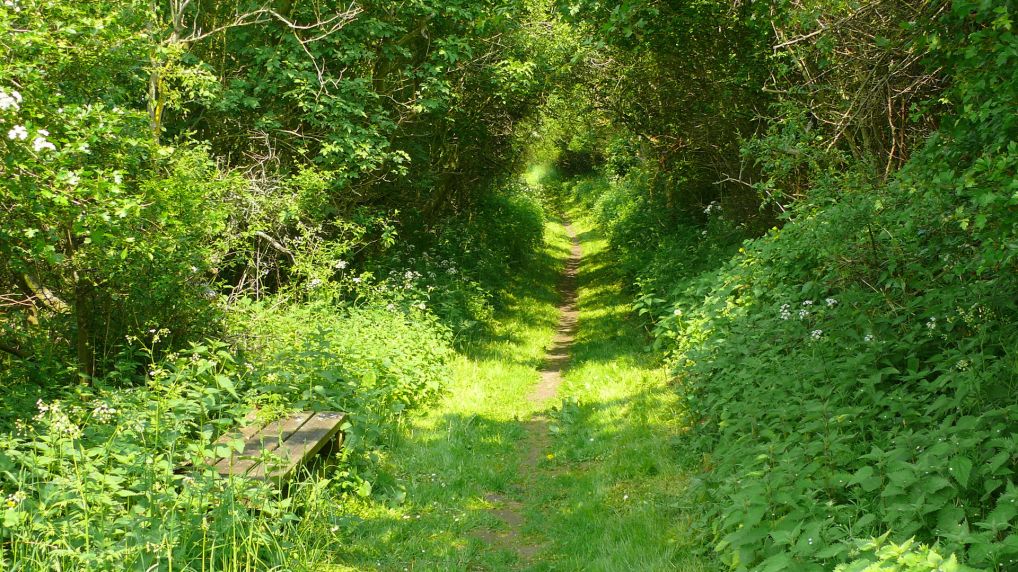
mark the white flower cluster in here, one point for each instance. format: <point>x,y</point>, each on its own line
<point>40,143</point>
<point>786,312</point>
<point>58,421</point>
<point>103,413</point>
<point>14,499</point>
<point>816,334</point>
<point>340,264</point>
<point>13,5</point>
<point>314,284</point>
<point>10,100</point>
<point>713,207</point>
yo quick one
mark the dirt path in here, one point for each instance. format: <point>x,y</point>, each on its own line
<point>537,440</point>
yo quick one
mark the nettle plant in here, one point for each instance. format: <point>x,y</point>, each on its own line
<point>121,479</point>
<point>830,416</point>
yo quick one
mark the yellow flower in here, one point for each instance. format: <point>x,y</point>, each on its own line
<point>551,456</point>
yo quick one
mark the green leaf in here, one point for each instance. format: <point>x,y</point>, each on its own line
<point>961,467</point>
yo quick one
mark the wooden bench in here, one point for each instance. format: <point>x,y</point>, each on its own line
<point>290,443</point>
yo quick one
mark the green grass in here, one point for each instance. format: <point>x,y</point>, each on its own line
<point>610,498</point>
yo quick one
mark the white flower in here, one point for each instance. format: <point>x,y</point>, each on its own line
<point>314,284</point>
<point>421,306</point>
<point>786,312</point>
<point>340,264</point>
<point>40,143</point>
<point>803,314</point>
<point>932,324</point>
<point>807,303</point>
<point>391,307</point>
<point>815,334</point>
<point>677,312</point>
<point>18,132</point>
<point>357,280</point>
<point>9,100</point>
<point>73,179</point>
<point>831,302</point>
<point>868,338</point>
<point>15,499</point>
<point>43,132</point>
<point>103,413</point>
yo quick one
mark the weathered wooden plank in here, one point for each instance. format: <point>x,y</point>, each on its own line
<point>300,447</point>
<point>268,439</point>
<point>249,429</point>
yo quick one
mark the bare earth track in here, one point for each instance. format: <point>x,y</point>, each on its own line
<point>537,440</point>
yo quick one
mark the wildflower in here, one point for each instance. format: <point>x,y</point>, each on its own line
<point>868,338</point>
<point>931,324</point>
<point>314,284</point>
<point>807,303</point>
<point>391,307</point>
<point>18,132</point>
<point>815,334</point>
<point>40,143</point>
<point>340,264</point>
<point>803,314</point>
<point>786,312</point>
<point>357,280</point>
<point>963,365</point>
<point>677,312</point>
<point>714,206</point>
<point>831,302</point>
<point>73,179</point>
<point>103,413</point>
<point>422,306</point>
<point>16,498</point>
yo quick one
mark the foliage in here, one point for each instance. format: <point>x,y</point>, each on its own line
<point>851,372</point>
<point>121,478</point>
<point>905,557</point>
<point>458,266</point>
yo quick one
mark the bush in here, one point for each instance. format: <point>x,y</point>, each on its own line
<point>458,267</point>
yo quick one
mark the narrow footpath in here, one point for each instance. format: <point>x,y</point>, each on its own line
<point>537,442</point>
<point>559,446</point>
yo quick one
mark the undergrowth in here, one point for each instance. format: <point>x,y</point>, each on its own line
<point>117,475</point>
